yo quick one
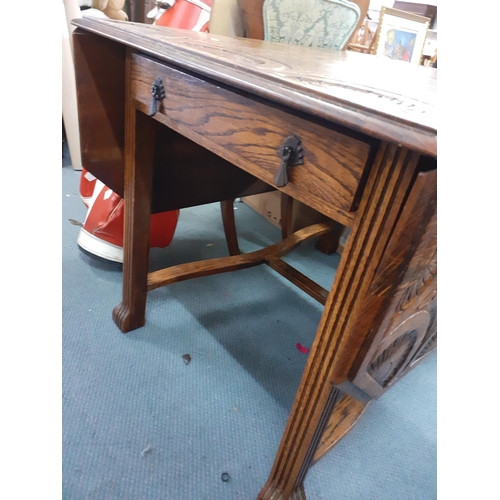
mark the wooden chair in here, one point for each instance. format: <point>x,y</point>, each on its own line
<point>316,23</point>
<point>326,24</point>
<point>362,40</point>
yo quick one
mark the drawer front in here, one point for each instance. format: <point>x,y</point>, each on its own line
<point>248,132</point>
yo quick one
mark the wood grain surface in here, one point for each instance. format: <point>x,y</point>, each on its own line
<point>343,418</point>
<point>381,97</point>
<point>249,133</point>
<point>100,85</point>
<point>408,330</point>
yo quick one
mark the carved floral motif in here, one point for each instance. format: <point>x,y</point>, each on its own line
<point>408,332</point>
<point>386,366</point>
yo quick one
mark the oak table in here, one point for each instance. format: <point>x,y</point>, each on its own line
<point>171,119</point>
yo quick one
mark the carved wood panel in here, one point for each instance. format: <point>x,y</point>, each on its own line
<point>408,330</point>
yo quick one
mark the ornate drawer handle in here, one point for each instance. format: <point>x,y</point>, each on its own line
<point>292,154</point>
<point>158,93</point>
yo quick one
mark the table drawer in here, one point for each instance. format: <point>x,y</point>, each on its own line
<point>248,132</point>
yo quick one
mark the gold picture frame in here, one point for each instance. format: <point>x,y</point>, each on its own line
<point>401,35</point>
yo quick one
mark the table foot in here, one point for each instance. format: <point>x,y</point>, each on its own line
<point>138,179</point>
<point>273,492</point>
<point>126,319</point>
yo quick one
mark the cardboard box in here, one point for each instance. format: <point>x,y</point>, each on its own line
<point>269,206</point>
<point>342,240</point>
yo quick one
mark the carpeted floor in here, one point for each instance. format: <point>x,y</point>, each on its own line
<point>140,424</point>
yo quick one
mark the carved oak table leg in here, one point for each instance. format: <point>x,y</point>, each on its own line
<point>326,243</point>
<point>139,151</point>
<point>329,243</point>
<point>326,372</point>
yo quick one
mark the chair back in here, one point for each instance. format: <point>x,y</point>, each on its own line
<point>311,23</point>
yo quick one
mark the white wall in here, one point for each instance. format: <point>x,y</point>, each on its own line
<point>225,18</point>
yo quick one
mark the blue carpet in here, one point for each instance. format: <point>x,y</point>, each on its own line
<point>140,424</point>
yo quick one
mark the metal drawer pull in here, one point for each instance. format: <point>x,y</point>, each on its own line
<point>291,154</point>
<point>158,93</point>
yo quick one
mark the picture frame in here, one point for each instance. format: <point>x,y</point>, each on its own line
<point>401,35</point>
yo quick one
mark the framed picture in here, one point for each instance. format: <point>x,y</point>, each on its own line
<point>401,35</point>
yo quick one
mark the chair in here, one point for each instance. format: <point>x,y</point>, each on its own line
<point>363,39</point>
<point>325,24</point>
